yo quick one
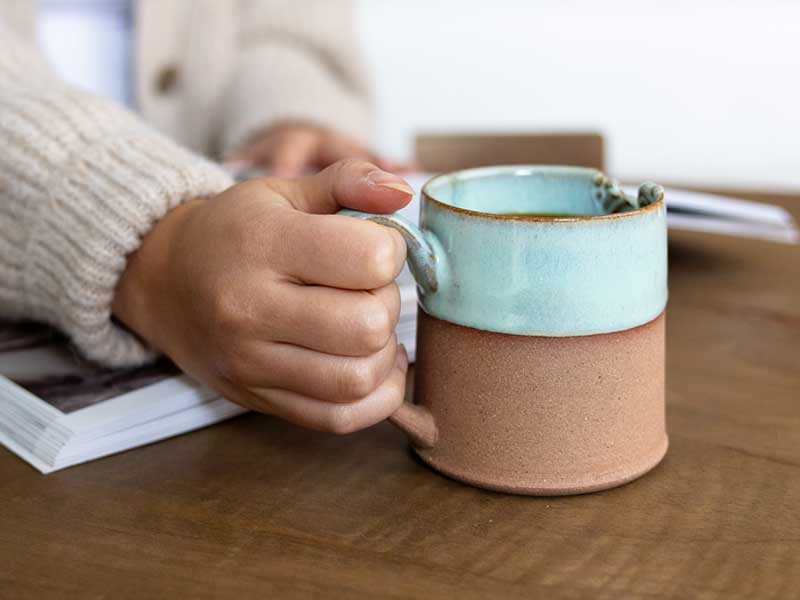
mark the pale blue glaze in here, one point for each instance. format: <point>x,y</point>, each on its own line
<point>538,276</point>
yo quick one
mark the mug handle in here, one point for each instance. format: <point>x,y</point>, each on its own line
<point>414,420</point>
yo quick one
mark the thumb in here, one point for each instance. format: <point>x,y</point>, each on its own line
<point>351,184</point>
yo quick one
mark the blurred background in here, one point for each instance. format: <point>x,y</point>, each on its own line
<point>683,92</point>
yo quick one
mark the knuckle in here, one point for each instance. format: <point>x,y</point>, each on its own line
<point>244,365</point>
<point>382,260</point>
<point>341,420</point>
<point>348,165</point>
<point>247,226</point>
<point>390,296</point>
<point>357,380</point>
<point>224,309</point>
<point>375,325</point>
<point>232,312</point>
<point>397,389</point>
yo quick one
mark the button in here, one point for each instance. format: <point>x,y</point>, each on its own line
<point>166,79</point>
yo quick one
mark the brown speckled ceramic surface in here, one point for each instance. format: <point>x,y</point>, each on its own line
<point>542,415</point>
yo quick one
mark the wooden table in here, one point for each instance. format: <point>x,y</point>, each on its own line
<point>257,508</point>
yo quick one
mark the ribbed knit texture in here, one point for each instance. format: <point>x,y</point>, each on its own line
<point>81,182</point>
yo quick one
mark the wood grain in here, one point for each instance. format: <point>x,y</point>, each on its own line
<point>258,508</point>
<point>448,152</point>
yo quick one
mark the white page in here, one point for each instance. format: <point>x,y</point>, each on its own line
<point>723,206</point>
<point>786,235</point>
<point>147,433</point>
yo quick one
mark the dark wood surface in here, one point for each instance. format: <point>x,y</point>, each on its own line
<point>258,508</point>
<point>449,152</point>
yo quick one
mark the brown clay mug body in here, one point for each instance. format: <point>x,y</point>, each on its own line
<point>540,343</point>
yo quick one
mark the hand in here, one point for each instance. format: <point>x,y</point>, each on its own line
<point>292,149</point>
<point>278,304</point>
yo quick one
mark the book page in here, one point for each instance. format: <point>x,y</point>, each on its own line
<point>40,360</point>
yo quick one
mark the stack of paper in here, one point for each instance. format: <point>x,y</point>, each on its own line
<point>57,410</point>
<point>711,213</point>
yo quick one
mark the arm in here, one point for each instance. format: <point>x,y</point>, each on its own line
<point>253,290</point>
<point>298,64</point>
<point>81,182</point>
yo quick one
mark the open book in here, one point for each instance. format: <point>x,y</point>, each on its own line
<point>57,410</point>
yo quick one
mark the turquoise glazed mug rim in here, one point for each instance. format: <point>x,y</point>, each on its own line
<point>651,196</point>
<point>480,263</point>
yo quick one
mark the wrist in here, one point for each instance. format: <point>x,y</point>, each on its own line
<point>143,294</point>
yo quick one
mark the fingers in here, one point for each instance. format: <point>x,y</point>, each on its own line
<point>290,150</point>
<point>284,151</point>
<point>294,154</point>
<point>341,252</point>
<point>334,321</point>
<point>335,147</point>
<point>350,184</point>
<point>323,376</point>
<point>255,152</point>
<point>313,413</point>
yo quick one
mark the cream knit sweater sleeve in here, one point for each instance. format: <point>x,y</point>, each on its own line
<point>81,182</point>
<point>297,61</point>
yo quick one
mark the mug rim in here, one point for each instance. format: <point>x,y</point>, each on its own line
<point>476,172</point>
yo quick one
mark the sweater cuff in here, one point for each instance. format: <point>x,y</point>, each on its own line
<point>280,82</point>
<point>101,204</point>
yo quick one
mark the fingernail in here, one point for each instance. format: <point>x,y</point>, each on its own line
<point>401,358</point>
<point>388,180</point>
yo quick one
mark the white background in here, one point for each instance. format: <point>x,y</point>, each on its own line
<point>705,91</point>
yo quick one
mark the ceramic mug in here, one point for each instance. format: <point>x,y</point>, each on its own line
<point>540,342</point>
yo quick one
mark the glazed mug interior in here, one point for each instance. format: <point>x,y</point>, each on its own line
<point>513,192</point>
<point>531,192</point>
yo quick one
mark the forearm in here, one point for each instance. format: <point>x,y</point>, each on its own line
<point>81,182</point>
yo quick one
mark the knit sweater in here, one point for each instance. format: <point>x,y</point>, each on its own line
<point>83,180</point>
